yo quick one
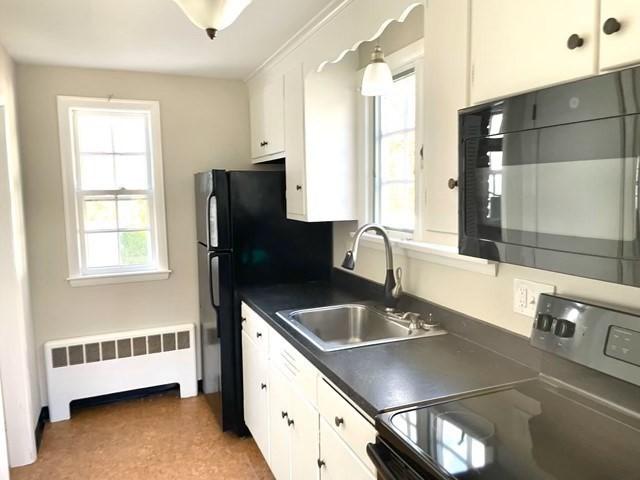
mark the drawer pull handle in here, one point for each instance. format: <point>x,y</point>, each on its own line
<point>263,386</point>
<point>289,421</point>
<point>338,421</point>
<point>284,414</point>
<point>258,335</point>
<point>321,463</point>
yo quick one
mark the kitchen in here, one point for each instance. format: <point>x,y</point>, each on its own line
<point>331,239</point>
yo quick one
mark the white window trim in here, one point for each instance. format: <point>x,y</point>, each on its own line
<point>410,56</point>
<point>76,276</point>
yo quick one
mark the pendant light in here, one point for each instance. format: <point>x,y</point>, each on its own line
<point>377,78</point>
<point>213,15</point>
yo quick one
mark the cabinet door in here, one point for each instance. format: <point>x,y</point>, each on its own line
<point>257,115</point>
<point>254,382</point>
<point>304,439</point>
<point>279,430</point>
<point>339,461</point>
<point>294,140</point>
<point>274,117</point>
<point>519,45</point>
<point>619,33</point>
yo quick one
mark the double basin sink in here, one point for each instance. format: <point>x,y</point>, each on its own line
<point>341,327</point>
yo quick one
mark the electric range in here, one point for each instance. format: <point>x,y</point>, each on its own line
<point>536,429</point>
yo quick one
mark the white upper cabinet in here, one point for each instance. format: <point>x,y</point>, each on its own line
<point>520,45</point>
<point>619,33</point>
<point>267,121</point>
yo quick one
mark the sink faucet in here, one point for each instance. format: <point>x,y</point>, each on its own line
<point>392,289</point>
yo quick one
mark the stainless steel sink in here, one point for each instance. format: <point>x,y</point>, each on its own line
<point>340,327</point>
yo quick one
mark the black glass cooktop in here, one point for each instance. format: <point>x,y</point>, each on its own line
<point>531,431</point>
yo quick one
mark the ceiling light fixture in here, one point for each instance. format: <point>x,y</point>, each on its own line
<point>377,78</point>
<point>213,15</point>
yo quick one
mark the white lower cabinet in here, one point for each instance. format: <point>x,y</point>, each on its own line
<point>282,391</point>
<point>338,460</point>
<point>256,396</point>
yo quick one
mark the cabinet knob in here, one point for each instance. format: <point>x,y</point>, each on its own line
<point>452,183</point>
<point>263,386</point>
<point>321,463</point>
<point>289,421</point>
<point>243,319</point>
<point>574,41</point>
<point>338,421</point>
<point>298,187</point>
<point>611,26</point>
<point>258,335</point>
<point>284,414</point>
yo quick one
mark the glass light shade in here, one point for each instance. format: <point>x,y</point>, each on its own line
<point>213,15</point>
<point>377,79</point>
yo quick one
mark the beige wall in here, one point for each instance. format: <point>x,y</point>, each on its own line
<point>18,372</point>
<point>397,35</point>
<point>205,124</point>
<point>478,295</point>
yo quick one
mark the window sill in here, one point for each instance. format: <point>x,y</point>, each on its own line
<point>114,278</point>
<point>432,253</point>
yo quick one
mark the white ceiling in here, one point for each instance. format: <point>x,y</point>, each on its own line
<point>147,35</point>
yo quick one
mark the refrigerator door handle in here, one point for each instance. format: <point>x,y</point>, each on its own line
<point>214,293</point>
<point>210,197</point>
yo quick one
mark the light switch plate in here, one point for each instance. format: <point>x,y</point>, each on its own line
<point>525,296</point>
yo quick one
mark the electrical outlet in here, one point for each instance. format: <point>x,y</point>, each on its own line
<point>525,296</point>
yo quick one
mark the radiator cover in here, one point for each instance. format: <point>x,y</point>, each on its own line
<point>85,367</point>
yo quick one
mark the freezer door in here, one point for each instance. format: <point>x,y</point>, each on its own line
<point>212,209</point>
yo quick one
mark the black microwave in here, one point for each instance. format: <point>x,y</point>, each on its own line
<point>550,179</point>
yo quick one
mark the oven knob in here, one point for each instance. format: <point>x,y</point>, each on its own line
<point>564,328</point>
<point>543,322</point>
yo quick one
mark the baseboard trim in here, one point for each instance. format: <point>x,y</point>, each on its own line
<point>43,418</point>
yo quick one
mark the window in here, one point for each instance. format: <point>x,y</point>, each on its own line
<point>393,141</point>
<point>395,155</point>
<point>114,200</point>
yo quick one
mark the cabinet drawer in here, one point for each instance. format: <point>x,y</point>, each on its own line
<point>255,328</point>
<point>346,421</point>
<point>294,366</point>
<point>339,460</point>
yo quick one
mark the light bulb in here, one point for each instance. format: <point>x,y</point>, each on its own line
<point>213,15</point>
<point>377,79</point>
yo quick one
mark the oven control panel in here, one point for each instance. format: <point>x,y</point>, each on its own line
<point>604,339</point>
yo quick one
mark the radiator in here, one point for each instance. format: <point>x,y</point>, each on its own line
<point>85,367</point>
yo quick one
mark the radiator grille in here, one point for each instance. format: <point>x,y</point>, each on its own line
<point>120,348</point>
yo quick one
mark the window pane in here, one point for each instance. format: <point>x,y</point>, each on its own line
<point>102,249</point>
<point>131,172</point>
<point>133,213</point>
<point>398,108</point>
<point>397,156</point>
<point>130,133</point>
<point>96,172</point>
<point>134,248</point>
<point>94,133</point>
<point>100,214</point>
<point>397,208</point>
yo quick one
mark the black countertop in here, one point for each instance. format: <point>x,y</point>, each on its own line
<point>380,378</point>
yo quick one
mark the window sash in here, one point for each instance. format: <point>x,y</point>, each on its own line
<point>378,137</point>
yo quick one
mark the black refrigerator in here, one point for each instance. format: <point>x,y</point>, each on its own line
<point>245,239</point>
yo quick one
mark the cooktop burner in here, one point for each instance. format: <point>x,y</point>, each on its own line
<point>533,430</point>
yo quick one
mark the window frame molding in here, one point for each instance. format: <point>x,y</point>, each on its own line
<point>73,214</point>
<point>410,57</point>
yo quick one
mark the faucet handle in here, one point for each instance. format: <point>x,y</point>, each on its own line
<point>397,290</point>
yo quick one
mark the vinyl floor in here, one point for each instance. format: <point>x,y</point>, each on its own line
<point>157,437</point>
